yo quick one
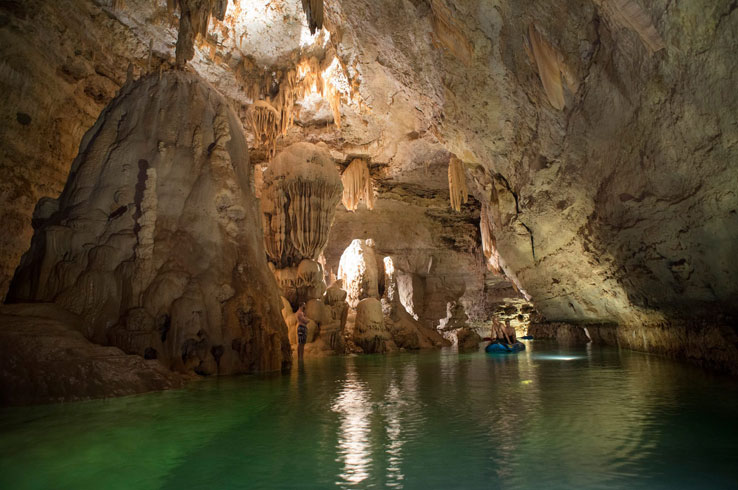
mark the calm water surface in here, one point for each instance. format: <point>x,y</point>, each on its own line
<point>549,417</point>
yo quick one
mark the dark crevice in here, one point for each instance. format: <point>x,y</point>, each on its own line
<point>143,166</point>
<point>532,243</point>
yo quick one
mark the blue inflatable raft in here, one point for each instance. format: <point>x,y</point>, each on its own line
<point>504,348</point>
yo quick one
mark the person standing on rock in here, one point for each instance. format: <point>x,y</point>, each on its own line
<point>302,331</point>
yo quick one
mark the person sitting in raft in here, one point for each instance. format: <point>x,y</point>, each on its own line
<point>302,330</point>
<point>510,332</point>
<point>498,334</point>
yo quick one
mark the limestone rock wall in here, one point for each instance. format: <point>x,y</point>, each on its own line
<point>622,203</point>
<point>605,150</point>
<point>435,252</point>
<point>156,241</point>
<point>61,64</point>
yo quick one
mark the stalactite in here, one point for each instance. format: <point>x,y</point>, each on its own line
<point>547,61</point>
<point>265,122</point>
<point>314,12</point>
<point>450,33</point>
<point>458,191</point>
<point>286,101</point>
<point>308,77</point>
<point>630,15</point>
<point>357,185</point>
<point>194,19</point>
<point>301,191</point>
<point>334,99</point>
<point>489,245</point>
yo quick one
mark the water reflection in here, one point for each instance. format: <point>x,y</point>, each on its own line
<point>402,418</point>
<point>354,408</point>
<point>613,419</point>
<point>394,435</point>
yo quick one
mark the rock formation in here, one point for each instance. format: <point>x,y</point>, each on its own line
<point>299,197</point>
<point>358,271</point>
<point>370,331</point>
<point>406,331</point>
<point>300,193</point>
<point>457,184</point>
<point>45,358</point>
<point>155,240</point>
<point>357,185</point>
<point>610,199</point>
<point>456,330</point>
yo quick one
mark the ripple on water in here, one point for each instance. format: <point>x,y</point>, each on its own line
<point>545,418</point>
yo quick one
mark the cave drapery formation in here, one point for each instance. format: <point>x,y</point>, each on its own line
<point>457,184</point>
<point>593,140</point>
<point>357,185</point>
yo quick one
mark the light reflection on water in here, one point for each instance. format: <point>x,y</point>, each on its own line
<point>354,409</point>
<point>548,417</point>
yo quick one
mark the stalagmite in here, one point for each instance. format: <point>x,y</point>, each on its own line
<point>458,192</point>
<point>370,332</point>
<point>358,271</point>
<point>549,70</point>
<point>630,15</point>
<point>357,185</point>
<point>314,12</point>
<point>155,241</point>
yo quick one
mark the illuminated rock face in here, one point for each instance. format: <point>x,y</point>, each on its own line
<point>359,271</point>
<point>588,123</point>
<point>155,240</point>
<point>406,331</point>
<point>301,191</point>
<point>455,329</point>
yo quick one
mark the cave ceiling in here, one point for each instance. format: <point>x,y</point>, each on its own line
<point>598,133</point>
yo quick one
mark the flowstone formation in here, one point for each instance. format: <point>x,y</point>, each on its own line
<point>301,190</point>
<point>155,240</point>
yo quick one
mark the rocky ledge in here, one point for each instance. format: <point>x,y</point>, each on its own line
<point>45,358</point>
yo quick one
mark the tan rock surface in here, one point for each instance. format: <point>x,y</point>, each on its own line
<point>156,241</point>
<point>619,208</point>
<point>44,358</point>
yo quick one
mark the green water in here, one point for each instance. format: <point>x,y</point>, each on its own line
<point>545,418</point>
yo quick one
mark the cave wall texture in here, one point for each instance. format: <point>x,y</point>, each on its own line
<point>619,209</point>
